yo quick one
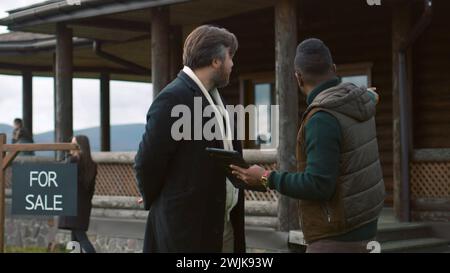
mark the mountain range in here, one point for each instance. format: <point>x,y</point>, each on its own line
<point>123,137</point>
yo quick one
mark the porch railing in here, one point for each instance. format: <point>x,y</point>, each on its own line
<point>430,185</point>
<point>116,174</point>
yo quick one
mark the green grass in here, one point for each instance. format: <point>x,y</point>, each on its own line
<point>29,249</point>
<point>34,249</point>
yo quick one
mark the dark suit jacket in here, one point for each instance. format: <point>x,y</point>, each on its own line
<point>181,186</point>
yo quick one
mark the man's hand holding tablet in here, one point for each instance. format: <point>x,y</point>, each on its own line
<point>226,159</point>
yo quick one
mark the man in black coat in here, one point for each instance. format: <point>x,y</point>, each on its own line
<point>192,206</point>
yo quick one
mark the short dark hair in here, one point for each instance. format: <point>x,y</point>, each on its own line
<point>313,59</point>
<point>18,121</point>
<point>207,43</point>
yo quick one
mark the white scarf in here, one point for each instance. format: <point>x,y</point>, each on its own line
<point>220,113</point>
<point>219,110</point>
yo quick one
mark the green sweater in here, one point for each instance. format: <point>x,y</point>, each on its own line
<point>318,181</point>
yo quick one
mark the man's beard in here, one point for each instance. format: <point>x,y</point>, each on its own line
<point>221,78</point>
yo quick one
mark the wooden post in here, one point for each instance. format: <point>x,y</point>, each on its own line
<point>160,48</point>
<point>64,73</point>
<point>176,51</point>
<point>401,24</point>
<point>286,86</point>
<point>27,101</point>
<point>2,195</point>
<point>105,113</point>
<point>54,97</point>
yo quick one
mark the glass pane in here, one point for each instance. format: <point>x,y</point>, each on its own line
<point>263,101</point>
<point>358,80</point>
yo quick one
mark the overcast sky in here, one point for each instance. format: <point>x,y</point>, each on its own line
<point>129,101</point>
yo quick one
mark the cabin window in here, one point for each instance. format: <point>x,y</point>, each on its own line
<point>258,90</point>
<point>359,73</point>
<point>263,101</point>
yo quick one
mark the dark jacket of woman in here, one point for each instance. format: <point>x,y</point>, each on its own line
<point>86,188</point>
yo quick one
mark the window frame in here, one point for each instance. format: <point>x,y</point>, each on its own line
<point>246,97</point>
<point>356,69</point>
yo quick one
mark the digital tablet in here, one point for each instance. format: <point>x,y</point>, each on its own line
<point>226,158</point>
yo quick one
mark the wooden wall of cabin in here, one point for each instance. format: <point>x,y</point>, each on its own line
<point>431,80</point>
<point>355,34</point>
<point>255,32</point>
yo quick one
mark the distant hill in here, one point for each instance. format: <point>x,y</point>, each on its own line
<point>6,129</point>
<point>123,137</point>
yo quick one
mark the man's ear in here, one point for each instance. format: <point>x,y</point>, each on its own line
<point>299,78</point>
<point>334,69</point>
<point>216,63</point>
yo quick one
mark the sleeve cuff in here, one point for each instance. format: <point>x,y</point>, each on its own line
<point>271,182</point>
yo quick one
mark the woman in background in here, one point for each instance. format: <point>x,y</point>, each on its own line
<point>87,172</point>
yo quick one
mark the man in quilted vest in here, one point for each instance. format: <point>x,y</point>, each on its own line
<point>339,181</point>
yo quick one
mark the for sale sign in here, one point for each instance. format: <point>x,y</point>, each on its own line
<point>44,189</point>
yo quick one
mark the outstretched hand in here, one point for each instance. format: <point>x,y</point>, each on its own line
<point>251,176</point>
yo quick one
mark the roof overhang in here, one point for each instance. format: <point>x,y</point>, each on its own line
<point>62,10</point>
<point>21,51</point>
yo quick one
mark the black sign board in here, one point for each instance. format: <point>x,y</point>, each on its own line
<point>44,189</point>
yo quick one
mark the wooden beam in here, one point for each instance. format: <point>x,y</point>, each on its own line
<point>285,84</point>
<point>8,159</point>
<point>431,204</point>
<point>118,60</point>
<point>176,51</point>
<point>2,195</point>
<point>401,23</point>
<point>39,147</point>
<point>430,216</point>
<point>27,101</point>
<point>80,69</point>
<point>64,73</point>
<point>54,97</point>
<point>115,24</point>
<point>105,125</point>
<point>160,48</point>
<point>431,155</point>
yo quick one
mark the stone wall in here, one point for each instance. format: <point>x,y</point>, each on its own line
<point>117,225</point>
